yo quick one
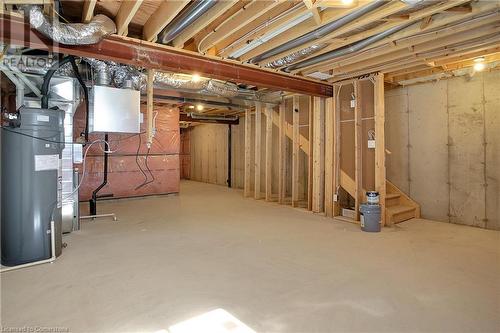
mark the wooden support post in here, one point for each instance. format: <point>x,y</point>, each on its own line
<point>358,144</point>
<point>248,154</point>
<point>310,157</point>
<point>318,155</point>
<point>282,155</point>
<point>269,152</point>
<point>150,104</point>
<point>336,149</point>
<point>380,172</point>
<point>258,147</point>
<point>295,152</point>
<point>329,126</point>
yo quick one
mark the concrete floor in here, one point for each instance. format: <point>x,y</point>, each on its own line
<point>275,268</point>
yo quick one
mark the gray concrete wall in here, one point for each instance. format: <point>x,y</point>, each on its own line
<point>444,143</point>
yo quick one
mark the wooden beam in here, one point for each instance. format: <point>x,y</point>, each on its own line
<point>202,22</point>
<point>244,16</point>
<point>295,152</point>
<point>150,105</point>
<point>358,144</point>
<point>380,172</point>
<point>161,57</point>
<point>88,10</point>
<point>329,132</point>
<point>125,15</point>
<point>282,155</point>
<point>248,152</point>
<point>167,11</point>
<point>318,155</point>
<point>269,152</point>
<point>310,164</point>
<point>258,148</point>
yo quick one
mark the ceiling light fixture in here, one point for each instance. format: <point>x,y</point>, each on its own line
<point>195,78</point>
<point>479,64</point>
<point>347,2</point>
<point>199,107</point>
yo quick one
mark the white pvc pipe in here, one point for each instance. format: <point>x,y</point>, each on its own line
<point>45,261</point>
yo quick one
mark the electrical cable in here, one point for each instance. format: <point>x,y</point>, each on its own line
<point>149,170</point>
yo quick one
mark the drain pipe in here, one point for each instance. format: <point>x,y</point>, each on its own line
<point>320,32</point>
<point>346,49</point>
<point>196,9</point>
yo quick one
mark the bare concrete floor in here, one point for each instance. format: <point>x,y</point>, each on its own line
<point>275,268</point>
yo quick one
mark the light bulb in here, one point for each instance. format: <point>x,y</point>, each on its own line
<point>479,66</point>
<point>199,107</point>
<point>195,78</point>
<point>347,2</point>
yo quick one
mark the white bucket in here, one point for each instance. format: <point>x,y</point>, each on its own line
<point>372,197</point>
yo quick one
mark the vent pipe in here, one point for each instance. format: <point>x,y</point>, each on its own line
<point>346,49</point>
<point>196,9</point>
<point>320,32</point>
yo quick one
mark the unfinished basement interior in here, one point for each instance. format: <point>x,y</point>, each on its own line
<point>250,166</point>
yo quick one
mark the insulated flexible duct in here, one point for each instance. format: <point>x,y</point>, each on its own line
<point>70,33</point>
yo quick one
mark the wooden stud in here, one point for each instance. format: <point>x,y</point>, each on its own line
<point>248,152</point>
<point>336,149</point>
<point>380,172</point>
<point>88,10</point>
<point>269,152</point>
<point>125,14</point>
<point>282,155</point>
<point>310,157</point>
<point>318,155</point>
<point>150,105</point>
<point>162,16</point>
<point>258,147</point>
<point>329,132</point>
<point>295,152</point>
<point>358,144</point>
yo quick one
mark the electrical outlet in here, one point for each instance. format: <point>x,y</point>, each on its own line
<point>371,143</point>
<point>353,103</point>
<point>335,198</point>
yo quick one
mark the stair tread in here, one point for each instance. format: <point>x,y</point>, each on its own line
<point>392,195</point>
<point>393,210</point>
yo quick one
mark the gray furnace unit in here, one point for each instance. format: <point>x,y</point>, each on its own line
<point>31,185</point>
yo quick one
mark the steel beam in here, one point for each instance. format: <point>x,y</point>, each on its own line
<point>156,56</point>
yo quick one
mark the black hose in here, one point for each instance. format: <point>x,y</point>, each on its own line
<point>46,83</point>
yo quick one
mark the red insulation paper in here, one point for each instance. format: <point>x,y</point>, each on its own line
<point>124,174</point>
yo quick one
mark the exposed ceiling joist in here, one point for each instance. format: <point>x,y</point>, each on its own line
<point>88,10</point>
<point>163,16</point>
<point>125,14</point>
<point>207,18</point>
<point>151,55</point>
<point>244,16</point>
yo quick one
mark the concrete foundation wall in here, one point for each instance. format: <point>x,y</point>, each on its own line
<point>444,143</point>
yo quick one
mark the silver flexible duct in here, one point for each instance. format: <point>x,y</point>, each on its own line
<point>194,11</point>
<point>346,49</point>
<point>70,33</point>
<point>295,56</point>
<point>320,32</point>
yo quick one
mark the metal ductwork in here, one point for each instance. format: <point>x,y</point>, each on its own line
<point>196,9</point>
<point>320,32</point>
<point>346,49</point>
<point>70,33</point>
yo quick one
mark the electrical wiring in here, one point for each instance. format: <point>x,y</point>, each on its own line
<point>139,165</point>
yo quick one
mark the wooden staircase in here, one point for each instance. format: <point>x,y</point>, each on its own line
<point>398,206</point>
